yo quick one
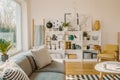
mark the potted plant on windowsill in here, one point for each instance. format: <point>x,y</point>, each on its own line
<point>4,47</point>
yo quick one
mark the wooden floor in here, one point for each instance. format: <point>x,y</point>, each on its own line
<point>80,68</point>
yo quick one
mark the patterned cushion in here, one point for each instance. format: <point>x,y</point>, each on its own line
<point>13,72</point>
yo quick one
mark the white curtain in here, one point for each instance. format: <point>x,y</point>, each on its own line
<point>38,35</point>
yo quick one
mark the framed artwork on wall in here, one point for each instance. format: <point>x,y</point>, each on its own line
<point>85,22</point>
<point>67,17</point>
<point>73,19</point>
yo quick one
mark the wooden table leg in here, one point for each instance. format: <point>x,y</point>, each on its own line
<point>101,76</point>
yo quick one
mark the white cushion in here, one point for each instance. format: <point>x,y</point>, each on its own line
<point>42,57</point>
<point>13,72</point>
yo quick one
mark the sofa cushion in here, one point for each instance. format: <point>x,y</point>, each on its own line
<point>12,71</point>
<point>55,66</point>
<point>32,61</point>
<point>47,76</point>
<point>42,57</point>
<point>24,63</point>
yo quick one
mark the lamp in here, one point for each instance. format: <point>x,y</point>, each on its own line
<point>97,25</point>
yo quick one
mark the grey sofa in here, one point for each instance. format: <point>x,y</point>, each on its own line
<point>53,71</point>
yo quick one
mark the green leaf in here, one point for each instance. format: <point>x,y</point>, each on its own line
<point>66,24</point>
<point>5,46</point>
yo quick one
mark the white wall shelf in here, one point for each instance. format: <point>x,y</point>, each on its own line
<point>72,42</point>
<point>94,38</point>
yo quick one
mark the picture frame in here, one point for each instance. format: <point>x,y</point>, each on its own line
<point>67,17</point>
<point>73,19</point>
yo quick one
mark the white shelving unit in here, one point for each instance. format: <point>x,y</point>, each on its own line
<point>54,41</point>
<point>73,45</point>
<point>94,38</point>
<point>66,44</point>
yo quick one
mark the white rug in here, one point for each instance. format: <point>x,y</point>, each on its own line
<point>91,77</point>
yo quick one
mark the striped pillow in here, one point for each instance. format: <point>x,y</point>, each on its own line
<point>13,72</point>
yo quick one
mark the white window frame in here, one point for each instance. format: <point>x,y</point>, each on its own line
<point>18,29</point>
<point>24,29</point>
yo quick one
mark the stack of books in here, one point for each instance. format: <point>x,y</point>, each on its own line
<point>115,66</point>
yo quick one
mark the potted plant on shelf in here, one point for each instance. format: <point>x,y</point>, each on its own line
<point>85,35</point>
<point>65,25</point>
<point>4,47</point>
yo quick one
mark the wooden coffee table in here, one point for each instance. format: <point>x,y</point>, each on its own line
<point>107,68</point>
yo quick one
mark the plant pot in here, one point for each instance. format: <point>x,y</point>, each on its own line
<point>66,29</point>
<point>84,38</point>
<point>97,25</point>
<point>71,37</point>
<point>4,57</point>
<point>60,28</point>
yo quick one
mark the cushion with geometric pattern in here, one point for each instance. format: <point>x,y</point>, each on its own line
<point>13,72</point>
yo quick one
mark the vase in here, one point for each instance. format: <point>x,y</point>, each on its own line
<point>84,38</point>
<point>97,25</point>
<point>4,57</point>
<point>73,46</point>
<point>71,37</point>
<point>60,28</point>
<point>66,29</point>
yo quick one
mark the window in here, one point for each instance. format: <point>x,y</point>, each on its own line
<point>10,23</point>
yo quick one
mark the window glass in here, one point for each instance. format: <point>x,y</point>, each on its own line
<point>10,23</point>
